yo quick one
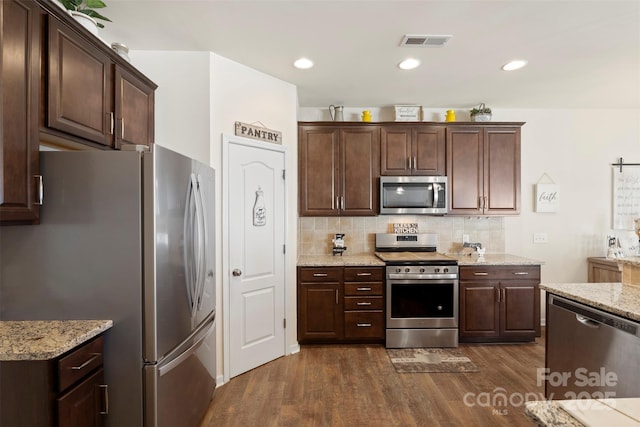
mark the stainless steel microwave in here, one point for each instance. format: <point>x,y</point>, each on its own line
<point>417,195</point>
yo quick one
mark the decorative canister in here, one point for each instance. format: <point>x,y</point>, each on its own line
<point>121,49</point>
<point>451,116</point>
<point>366,116</point>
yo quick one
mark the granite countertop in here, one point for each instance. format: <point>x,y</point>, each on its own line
<point>339,260</point>
<point>494,259</point>
<point>585,412</point>
<point>616,298</point>
<point>45,339</point>
<point>547,413</point>
<point>372,260</point>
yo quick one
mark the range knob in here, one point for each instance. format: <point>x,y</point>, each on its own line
<point>398,270</point>
<point>446,270</point>
<point>407,270</point>
<point>437,270</point>
<point>422,270</point>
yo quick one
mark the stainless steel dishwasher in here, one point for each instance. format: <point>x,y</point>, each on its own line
<point>590,353</point>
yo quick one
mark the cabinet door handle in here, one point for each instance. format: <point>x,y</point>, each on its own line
<point>85,364</point>
<point>112,124</point>
<point>415,163</point>
<point>363,274</point>
<point>484,204</point>
<point>40,189</point>
<point>363,289</point>
<point>363,325</point>
<point>319,274</point>
<point>409,163</point>
<point>498,296</point>
<point>122,127</point>
<point>521,273</point>
<point>336,297</point>
<point>342,202</point>
<point>105,399</point>
<point>478,273</point>
<point>363,303</point>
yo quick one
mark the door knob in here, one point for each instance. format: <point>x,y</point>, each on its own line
<point>237,272</point>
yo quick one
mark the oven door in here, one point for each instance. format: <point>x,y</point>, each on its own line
<point>422,303</point>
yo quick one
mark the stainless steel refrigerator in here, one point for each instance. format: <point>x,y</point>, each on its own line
<point>127,236</point>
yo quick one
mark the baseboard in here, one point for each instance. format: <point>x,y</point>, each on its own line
<point>219,380</point>
<point>295,348</point>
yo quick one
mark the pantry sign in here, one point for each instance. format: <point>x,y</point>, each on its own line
<point>256,132</point>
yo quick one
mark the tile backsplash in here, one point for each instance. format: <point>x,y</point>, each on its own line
<point>315,233</point>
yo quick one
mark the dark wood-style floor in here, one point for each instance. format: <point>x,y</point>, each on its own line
<point>356,385</point>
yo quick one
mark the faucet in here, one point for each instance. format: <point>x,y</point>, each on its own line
<point>475,246</point>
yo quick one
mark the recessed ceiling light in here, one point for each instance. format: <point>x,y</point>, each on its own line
<point>409,64</point>
<point>303,63</point>
<point>514,65</point>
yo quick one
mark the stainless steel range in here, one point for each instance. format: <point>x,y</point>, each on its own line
<point>422,291</point>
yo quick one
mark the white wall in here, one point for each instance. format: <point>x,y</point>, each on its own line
<point>200,96</point>
<point>182,99</point>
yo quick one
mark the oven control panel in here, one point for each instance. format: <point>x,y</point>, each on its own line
<point>413,271</point>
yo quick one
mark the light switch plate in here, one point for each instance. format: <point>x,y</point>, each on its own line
<point>540,238</point>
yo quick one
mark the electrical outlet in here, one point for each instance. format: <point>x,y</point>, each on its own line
<point>465,238</point>
<point>540,238</point>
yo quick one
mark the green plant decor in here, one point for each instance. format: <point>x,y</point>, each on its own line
<point>87,7</point>
<point>480,110</point>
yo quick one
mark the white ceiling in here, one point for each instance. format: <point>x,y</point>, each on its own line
<point>582,54</point>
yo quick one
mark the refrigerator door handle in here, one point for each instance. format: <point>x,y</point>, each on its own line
<point>189,209</point>
<point>202,245</point>
<point>188,352</point>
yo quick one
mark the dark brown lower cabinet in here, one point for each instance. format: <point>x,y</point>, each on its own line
<point>340,304</point>
<point>499,303</point>
<point>68,391</point>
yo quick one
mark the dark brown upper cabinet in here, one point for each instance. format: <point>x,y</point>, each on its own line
<point>483,167</point>
<point>412,150</point>
<point>338,170</point>
<point>19,97</point>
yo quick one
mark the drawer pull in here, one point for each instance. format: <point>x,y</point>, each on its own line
<point>363,325</point>
<point>105,399</point>
<point>521,273</point>
<point>363,274</point>
<point>319,274</point>
<point>363,303</point>
<point>363,289</point>
<point>85,364</point>
<point>480,274</point>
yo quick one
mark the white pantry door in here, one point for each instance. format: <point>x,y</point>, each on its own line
<point>255,208</point>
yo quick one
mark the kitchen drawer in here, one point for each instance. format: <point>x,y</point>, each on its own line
<point>363,274</point>
<point>363,303</point>
<point>496,272</point>
<point>324,274</point>
<point>363,288</point>
<point>364,324</point>
<point>79,363</point>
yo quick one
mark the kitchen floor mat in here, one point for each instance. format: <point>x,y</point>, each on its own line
<point>441,360</point>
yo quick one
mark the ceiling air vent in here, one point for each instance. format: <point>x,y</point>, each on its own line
<point>424,40</point>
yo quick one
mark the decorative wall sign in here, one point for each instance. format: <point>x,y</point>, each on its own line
<point>547,195</point>
<point>626,196</point>
<point>259,209</point>
<point>408,228</point>
<point>259,133</point>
